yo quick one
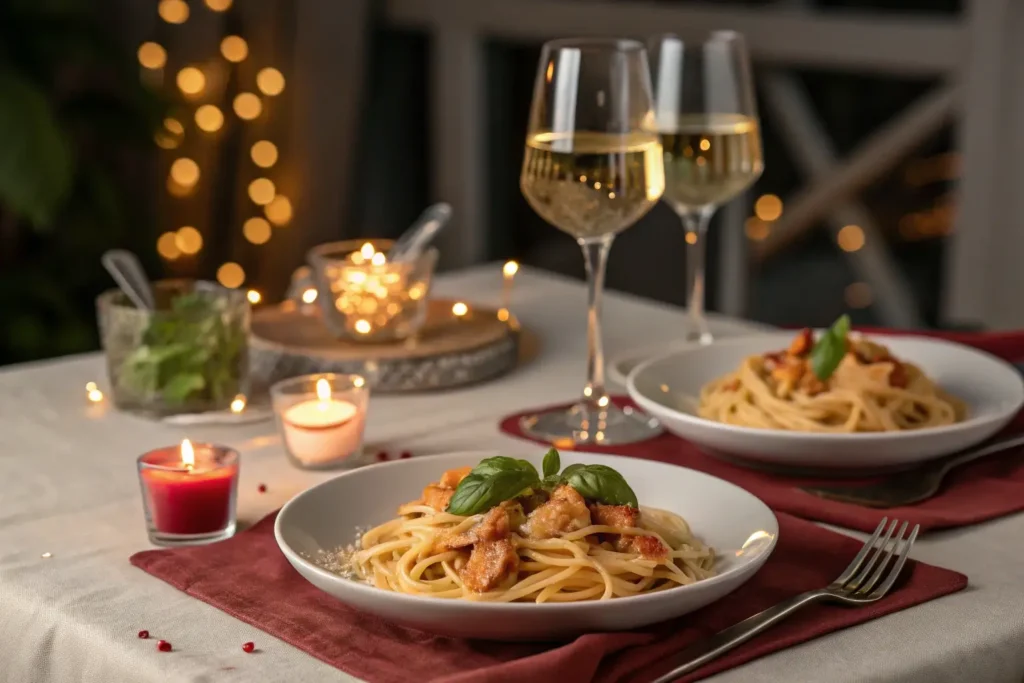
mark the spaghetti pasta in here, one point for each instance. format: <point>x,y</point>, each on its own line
<point>597,552</point>
<point>868,391</point>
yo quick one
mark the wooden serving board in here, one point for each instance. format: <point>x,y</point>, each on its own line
<point>449,351</point>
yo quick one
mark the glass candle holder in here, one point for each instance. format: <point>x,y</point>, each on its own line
<point>188,493</point>
<point>365,298</point>
<point>321,418</point>
<point>190,355</point>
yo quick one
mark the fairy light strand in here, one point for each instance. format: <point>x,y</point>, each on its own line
<point>192,82</point>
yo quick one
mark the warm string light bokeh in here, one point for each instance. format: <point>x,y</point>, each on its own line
<point>195,85</point>
<point>767,210</point>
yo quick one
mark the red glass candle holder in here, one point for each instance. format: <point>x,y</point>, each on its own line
<point>189,504</point>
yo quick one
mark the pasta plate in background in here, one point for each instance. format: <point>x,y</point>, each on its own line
<point>838,383</point>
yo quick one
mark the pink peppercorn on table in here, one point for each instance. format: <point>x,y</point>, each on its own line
<point>71,606</point>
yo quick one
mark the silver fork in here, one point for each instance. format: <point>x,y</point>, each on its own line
<point>862,582</point>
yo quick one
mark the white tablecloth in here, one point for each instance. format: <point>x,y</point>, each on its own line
<point>68,487</point>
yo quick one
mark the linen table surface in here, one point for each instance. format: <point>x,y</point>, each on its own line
<point>68,487</point>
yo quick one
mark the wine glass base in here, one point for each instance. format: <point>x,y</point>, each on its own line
<point>702,338</point>
<point>583,425</point>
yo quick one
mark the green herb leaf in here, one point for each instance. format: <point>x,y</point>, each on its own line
<point>551,482</point>
<point>502,463</point>
<point>600,483</point>
<point>194,350</point>
<point>180,387</point>
<point>829,350</point>
<point>570,469</point>
<point>552,463</point>
<point>478,493</point>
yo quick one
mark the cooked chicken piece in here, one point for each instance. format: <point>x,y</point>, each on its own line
<point>489,564</point>
<point>802,343</point>
<point>624,517</point>
<point>787,375</point>
<point>810,384</point>
<point>789,372</point>
<point>869,352</point>
<point>452,478</point>
<point>439,494</point>
<point>437,497</point>
<point>898,376</point>
<point>621,516</point>
<point>495,525</point>
<point>533,501</point>
<point>566,511</point>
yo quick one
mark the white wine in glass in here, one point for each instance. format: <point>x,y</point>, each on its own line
<point>592,184</point>
<point>593,166</point>
<point>707,116</point>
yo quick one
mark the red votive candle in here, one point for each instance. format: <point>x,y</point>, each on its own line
<point>188,493</point>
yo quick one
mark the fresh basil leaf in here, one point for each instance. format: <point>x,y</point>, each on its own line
<point>828,352</point>
<point>478,493</point>
<point>503,463</point>
<point>180,387</point>
<point>602,484</point>
<point>552,463</point>
<point>570,469</point>
<point>551,482</point>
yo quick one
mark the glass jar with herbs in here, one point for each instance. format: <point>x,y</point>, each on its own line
<point>188,355</point>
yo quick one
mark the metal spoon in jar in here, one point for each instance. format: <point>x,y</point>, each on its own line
<point>413,241</point>
<point>129,275</point>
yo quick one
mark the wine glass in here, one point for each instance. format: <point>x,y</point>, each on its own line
<point>593,167</point>
<point>705,110</point>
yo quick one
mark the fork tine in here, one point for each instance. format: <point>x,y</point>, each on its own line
<point>873,581</point>
<point>855,564</point>
<point>858,580</point>
<point>898,566</point>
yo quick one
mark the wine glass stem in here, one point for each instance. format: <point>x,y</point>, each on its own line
<point>595,256</point>
<point>696,223</point>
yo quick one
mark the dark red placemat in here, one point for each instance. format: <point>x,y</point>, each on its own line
<point>986,489</point>
<point>249,578</point>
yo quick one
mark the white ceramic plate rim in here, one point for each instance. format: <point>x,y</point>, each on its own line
<point>641,354</point>
<point>646,402</point>
<point>496,606</point>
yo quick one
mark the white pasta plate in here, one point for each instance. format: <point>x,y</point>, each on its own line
<point>313,525</point>
<point>668,388</point>
<point>622,364</point>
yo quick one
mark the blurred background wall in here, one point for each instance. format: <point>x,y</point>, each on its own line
<point>375,109</point>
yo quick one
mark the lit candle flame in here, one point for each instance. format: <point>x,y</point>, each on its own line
<point>460,309</point>
<point>188,455</point>
<point>367,250</point>
<point>379,258</point>
<point>309,296</point>
<point>508,273</point>
<point>323,390</point>
<point>238,405</point>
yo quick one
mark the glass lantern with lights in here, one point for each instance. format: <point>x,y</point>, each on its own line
<point>366,298</point>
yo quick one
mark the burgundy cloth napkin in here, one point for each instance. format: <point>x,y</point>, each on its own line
<point>982,490</point>
<point>249,578</point>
